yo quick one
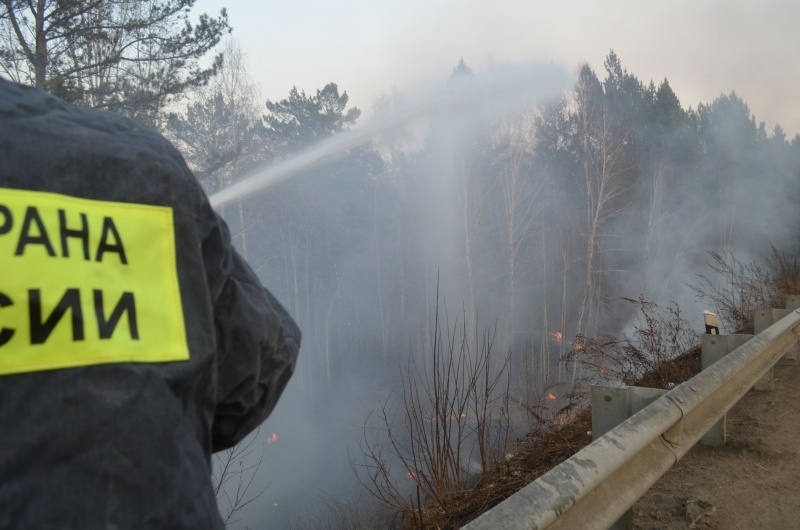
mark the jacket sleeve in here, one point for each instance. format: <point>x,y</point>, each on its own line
<point>257,341</point>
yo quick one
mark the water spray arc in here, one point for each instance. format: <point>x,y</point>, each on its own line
<point>500,90</point>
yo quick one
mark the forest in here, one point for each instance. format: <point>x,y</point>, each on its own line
<point>525,230</point>
<point>537,220</point>
<point>510,229</point>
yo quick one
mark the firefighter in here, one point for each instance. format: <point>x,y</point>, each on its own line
<point>134,340</point>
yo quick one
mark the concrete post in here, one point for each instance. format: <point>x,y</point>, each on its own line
<point>715,347</point>
<point>793,301</point>
<point>610,407</point>
<point>762,319</point>
<point>793,304</point>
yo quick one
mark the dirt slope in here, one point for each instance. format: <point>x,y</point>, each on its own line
<point>753,482</point>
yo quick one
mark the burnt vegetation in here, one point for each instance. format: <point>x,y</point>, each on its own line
<point>661,351</point>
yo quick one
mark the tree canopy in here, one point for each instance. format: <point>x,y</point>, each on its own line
<point>127,56</point>
<point>300,120</point>
<point>221,131</point>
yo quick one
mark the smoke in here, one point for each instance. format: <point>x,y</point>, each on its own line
<point>529,207</point>
<point>501,90</point>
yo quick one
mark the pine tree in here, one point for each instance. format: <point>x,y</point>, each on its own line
<point>128,56</point>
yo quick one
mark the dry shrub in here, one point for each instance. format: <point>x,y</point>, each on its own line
<point>661,350</point>
<point>660,336</point>
<point>447,428</point>
<point>737,290</point>
<point>536,455</point>
<point>785,274</point>
<point>234,472</point>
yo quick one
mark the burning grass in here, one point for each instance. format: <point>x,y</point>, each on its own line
<point>662,351</point>
<point>439,438</point>
<point>536,455</point>
<point>554,441</point>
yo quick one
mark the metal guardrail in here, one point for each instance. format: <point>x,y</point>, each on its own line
<point>597,485</point>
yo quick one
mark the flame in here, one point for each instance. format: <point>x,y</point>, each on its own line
<point>410,474</point>
<point>557,336</point>
<point>551,396</point>
<point>273,438</point>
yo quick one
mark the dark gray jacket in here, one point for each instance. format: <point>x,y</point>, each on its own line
<point>101,426</point>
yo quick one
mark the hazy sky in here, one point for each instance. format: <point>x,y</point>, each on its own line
<point>704,47</point>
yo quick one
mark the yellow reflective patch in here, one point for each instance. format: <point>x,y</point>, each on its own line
<point>86,282</point>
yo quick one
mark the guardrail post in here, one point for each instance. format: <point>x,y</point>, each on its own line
<point>610,407</point>
<point>715,347</point>
<point>793,304</point>
<point>764,318</point>
<point>793,301</point>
